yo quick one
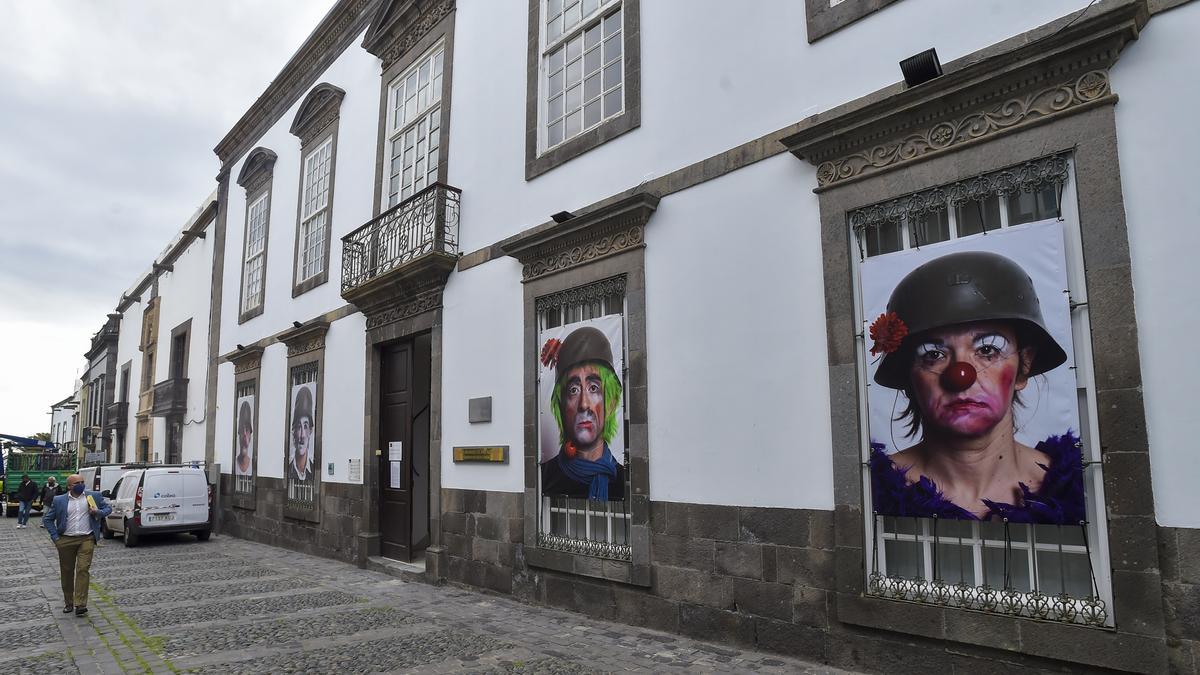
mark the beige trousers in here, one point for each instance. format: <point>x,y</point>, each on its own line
<point>75,567</point>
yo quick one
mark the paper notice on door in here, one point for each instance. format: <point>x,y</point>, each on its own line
<point>395,477</point>
<point>396,451</point>
<point>356,471</point>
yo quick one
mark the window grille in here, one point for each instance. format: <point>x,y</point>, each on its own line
<point>1050,572</point>
<point>578,525</point>
<point>256,236</point>
<point>302,493</point>
<point>315,210</point>
<point>582,65</point>
<point>244,484</point>
<point>414,128</point>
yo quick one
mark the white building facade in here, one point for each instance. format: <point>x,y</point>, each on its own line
<point>601,304</point>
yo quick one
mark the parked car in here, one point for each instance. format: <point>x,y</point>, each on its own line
<point>160,500</point>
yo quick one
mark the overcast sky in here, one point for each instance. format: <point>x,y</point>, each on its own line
<point>111,109</point>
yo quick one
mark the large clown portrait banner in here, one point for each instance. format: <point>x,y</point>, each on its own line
<point>581,410</point>
<point>973,413</point>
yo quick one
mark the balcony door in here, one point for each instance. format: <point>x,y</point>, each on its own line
<point>404,397</point>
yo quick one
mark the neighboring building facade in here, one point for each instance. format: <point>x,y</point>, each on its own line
<point>96,394</point>
<point>431,338</point>
<point>63,416</point>
<point>163,351</point>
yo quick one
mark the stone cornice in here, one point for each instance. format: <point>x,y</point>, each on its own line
<point>320,108</point>
<point>257,168</point>
<point>245,360</point>
<point>400,24</point>
<point>305,338</point>
<point>337,30</point>
<point>1056,70</point>
<point>608,230</point>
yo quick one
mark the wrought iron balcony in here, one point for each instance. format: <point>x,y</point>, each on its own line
<point>118,415</point>
<point>170,397</point>
<point>423,226</point>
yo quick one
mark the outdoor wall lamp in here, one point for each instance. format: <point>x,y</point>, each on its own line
<point>296,324</point>
<point>562,216</point>
<point>240,347</point>
<point>921,68</point>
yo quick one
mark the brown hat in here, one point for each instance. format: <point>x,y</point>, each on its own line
<point>583,345</point>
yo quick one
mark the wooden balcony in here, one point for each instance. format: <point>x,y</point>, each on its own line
<point>117,415</point>
<point>170,397</point>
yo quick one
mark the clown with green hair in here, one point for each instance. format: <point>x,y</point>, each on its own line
<point>586,403</point>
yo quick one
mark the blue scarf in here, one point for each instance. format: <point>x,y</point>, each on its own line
<point>595,474</point>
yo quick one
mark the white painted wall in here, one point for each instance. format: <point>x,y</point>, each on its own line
<point>357,72</point>
<point>482,335</point>
<point>127,351</point>
<point>185,293</point>
<point>736,343</point>
<point>344,399</point>
<point>1158,139</point>
<point>708,84</point>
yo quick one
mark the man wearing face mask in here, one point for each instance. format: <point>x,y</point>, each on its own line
<point>73,522</point>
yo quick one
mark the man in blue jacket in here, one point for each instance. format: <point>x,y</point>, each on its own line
<point>73,522</point>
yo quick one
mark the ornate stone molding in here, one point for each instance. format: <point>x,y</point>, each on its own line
<point>1026,177</point>
<point>554,247</point>
<point>257,169</point>
<point>398,311</point>
<point>1056,98</point>
<point>1059,69</point>
<point>583,294</point>
<point>400,24</point>
<point>306,338</point>
<point>320,109</point>
<point>336,31</point>
<point>245,360</point>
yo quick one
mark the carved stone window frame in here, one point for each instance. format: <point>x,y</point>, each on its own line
<point>257,178</point>
<point>247,367</point>
<point>823,17</point>
<point>556,258</point>
<point>401,32</point>
<point>305,346</point>
<point>1034,95</point>
<point>537,163</point>
<point>317,119</point>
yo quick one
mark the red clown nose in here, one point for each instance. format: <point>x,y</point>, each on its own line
<point>959,376</point>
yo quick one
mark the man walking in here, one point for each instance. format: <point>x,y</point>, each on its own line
<point>26,491</point>
<point>73,522</point>
<point>52,490</point>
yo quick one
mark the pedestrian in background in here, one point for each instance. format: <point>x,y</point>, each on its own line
<point>49,492</point>
<point>73,522</point>
<point>26,491</point>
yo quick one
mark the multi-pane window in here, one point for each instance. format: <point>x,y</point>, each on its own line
<point>582,66</point>
<point>414,128</point>
<point>576,524</point>
<point>314,214</point>
<point>256,250</point>
<point>1043,571</point>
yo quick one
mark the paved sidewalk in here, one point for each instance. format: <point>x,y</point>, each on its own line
<point>232,606</point>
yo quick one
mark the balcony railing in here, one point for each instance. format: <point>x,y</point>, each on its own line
<point>118,415</point>
<point>425,223</point>
<point>170,397</point>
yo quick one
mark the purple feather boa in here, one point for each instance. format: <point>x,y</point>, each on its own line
<point>1058,501</point>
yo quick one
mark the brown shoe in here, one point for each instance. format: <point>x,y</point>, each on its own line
<point>80,611</point>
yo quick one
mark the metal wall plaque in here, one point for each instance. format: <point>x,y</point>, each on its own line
<point>481,453</point>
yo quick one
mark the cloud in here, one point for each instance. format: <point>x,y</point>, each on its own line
<point>111,113</point>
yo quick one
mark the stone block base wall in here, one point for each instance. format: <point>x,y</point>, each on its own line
<point>335,536</point>
<point>756,578</point>
<point>1179,558</point>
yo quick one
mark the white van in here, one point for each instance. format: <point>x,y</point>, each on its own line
<point>103,477</point>
<point>160,500</point>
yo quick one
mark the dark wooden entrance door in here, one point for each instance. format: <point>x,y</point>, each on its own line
<point>404,389</point>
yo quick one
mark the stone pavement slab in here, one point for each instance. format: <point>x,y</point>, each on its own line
<point>175,604</point>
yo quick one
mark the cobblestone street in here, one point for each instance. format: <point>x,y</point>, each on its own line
<point>178,605</point>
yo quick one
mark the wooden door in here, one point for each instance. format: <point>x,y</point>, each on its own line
<point>404,444</point>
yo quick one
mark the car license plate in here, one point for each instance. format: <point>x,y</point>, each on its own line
<point>161,516</point>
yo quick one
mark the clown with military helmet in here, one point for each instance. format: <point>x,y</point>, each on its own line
<point>585,405</point>
<point>961,338</point>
